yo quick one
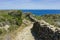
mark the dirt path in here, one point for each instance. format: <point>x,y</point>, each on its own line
<point>25,34</point>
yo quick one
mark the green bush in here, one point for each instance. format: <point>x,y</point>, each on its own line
<point>38,17</point>
<point>1,31</point>
<point>17,17</point>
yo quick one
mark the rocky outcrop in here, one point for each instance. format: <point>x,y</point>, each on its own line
<point>31,17</point>
<point>42,32</point>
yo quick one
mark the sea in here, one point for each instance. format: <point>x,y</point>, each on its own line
<point>42,12</point>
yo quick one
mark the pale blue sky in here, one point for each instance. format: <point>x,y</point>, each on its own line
<point>29,4</point>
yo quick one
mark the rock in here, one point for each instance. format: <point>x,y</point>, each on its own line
<point>44,33</point>
<point>6,27</point>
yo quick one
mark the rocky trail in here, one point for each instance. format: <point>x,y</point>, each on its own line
<point>25,34</point>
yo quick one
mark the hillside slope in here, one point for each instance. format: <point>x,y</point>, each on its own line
<point>39,30</point>
<point>53,19</point>
<point>18,26</point>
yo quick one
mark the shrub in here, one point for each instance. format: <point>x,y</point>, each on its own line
<point>14,19</point>
<point>1,31</point>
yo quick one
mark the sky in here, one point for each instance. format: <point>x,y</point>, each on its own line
<point>29,4</point>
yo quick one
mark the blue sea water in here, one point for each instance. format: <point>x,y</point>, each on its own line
<point>42,12</point>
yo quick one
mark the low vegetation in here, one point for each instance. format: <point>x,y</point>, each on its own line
<point>11,18</point>
<point>53,19</point>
